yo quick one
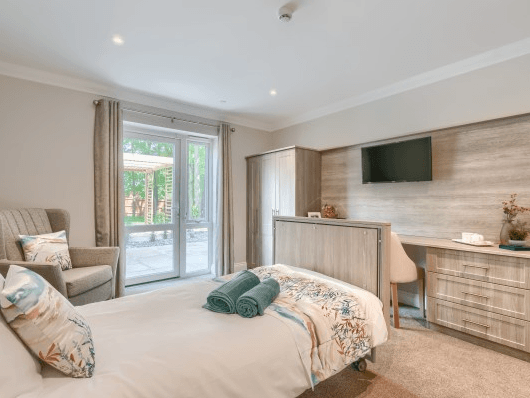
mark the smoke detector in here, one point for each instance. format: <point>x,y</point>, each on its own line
<point>285,14</point>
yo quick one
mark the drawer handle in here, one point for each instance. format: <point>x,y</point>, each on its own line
<point>477,266</point>
<point>476,323</point>
<point>475,294</point>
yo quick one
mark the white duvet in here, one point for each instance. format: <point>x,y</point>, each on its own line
<point>164,344</point>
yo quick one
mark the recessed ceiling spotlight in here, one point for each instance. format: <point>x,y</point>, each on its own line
<point>273,92</point>
<point>118,40</point>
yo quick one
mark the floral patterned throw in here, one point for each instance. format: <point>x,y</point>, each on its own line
<point>47,248</point>
<point>328,324</point>
<point>47,323</point>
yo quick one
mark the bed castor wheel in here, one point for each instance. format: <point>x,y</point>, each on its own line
<point>359,365</point>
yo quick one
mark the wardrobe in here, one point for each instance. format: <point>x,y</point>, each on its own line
<point>284,182</point>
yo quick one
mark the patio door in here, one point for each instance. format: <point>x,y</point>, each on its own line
<point>168,205</point>
<point>152,203</point>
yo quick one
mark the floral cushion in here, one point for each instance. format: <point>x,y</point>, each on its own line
<point>48,248</point>
<point>16,362</point>
<point>47,323</point>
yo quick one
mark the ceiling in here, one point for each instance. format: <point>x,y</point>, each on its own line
<point>333,54</point>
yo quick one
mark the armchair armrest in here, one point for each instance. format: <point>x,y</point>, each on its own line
<point>51,272</point>
<point>90,256</point>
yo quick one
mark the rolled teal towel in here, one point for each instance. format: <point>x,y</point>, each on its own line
<point>258,298</point>
<point>224,298</point>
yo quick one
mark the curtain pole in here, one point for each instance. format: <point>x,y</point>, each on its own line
<point>169,117</point>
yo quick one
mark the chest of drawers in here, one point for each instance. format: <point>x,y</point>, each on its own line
<point>482,294</point>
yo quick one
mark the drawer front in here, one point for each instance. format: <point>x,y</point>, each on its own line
<point>504,300</point>
<point>498,328</point>
<point>504,270</point>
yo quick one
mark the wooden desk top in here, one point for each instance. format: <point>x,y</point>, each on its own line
<point>449,244</point>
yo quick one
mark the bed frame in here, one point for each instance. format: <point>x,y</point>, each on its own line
<point>356,252</point>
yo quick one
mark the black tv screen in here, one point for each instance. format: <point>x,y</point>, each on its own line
<point>398,162</point>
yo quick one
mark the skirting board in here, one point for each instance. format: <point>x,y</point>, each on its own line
<point>240,266</point>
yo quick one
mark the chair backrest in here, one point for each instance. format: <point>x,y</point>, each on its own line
<point>27,222</point>
<point>402,268</point>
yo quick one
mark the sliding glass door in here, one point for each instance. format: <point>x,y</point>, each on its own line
<point>167,206</point>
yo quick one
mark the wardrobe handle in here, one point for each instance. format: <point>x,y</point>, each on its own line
<point>475,294</point>
<point>476,323</point>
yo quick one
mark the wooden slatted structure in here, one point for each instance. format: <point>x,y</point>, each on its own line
<point>168,173</point>
<point>148,164</point>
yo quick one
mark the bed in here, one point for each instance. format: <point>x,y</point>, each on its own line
<point>164,344</point>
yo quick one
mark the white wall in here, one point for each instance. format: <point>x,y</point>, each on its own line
<point>46,136</point>
<point>489,93</point>
<point>46,139</point>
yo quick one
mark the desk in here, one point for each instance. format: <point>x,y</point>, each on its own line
<point>480,291</point>
<point>449,244</point>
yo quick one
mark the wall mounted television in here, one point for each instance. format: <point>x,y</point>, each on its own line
<point>404,161</point>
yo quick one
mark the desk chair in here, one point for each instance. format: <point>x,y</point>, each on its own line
<point>403,270</point>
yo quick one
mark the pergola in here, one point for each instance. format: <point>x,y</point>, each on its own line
<point>148,164</point>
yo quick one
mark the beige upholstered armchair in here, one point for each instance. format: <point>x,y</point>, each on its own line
<point>92,277</point>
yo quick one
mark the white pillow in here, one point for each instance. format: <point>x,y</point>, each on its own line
<point>19,371</point>
<point>47,323</point>
<point>47,248</point>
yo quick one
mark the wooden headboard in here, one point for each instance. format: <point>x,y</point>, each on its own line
<point>356,252</point>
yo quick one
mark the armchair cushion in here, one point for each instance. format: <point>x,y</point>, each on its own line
<point>82,279</point>
<point>48,248</point>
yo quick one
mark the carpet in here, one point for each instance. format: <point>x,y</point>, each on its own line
<point>420,362</point>
<point>351,383</point>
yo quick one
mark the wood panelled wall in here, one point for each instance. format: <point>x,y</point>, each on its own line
<point>475,168</point>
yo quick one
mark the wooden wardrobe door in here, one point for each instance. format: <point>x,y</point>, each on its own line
<point>253,212</point>
<point>267,206</point>
<point>285,183</point>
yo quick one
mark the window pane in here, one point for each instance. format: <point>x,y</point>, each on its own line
<point>148,181</point>
<point>148,253</point>
<point>197,175</point>
<point>196,249</point>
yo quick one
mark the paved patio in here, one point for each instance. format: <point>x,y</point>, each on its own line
<point>155,257</point>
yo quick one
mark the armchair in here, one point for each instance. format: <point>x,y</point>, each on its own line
<point>93,273</point>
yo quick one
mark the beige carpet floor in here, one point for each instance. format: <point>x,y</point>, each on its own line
<point>350,383</point>
<point>417,361</point>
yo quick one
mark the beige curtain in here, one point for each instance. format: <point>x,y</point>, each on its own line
<point>225,217</point>
<point>108,182</point>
